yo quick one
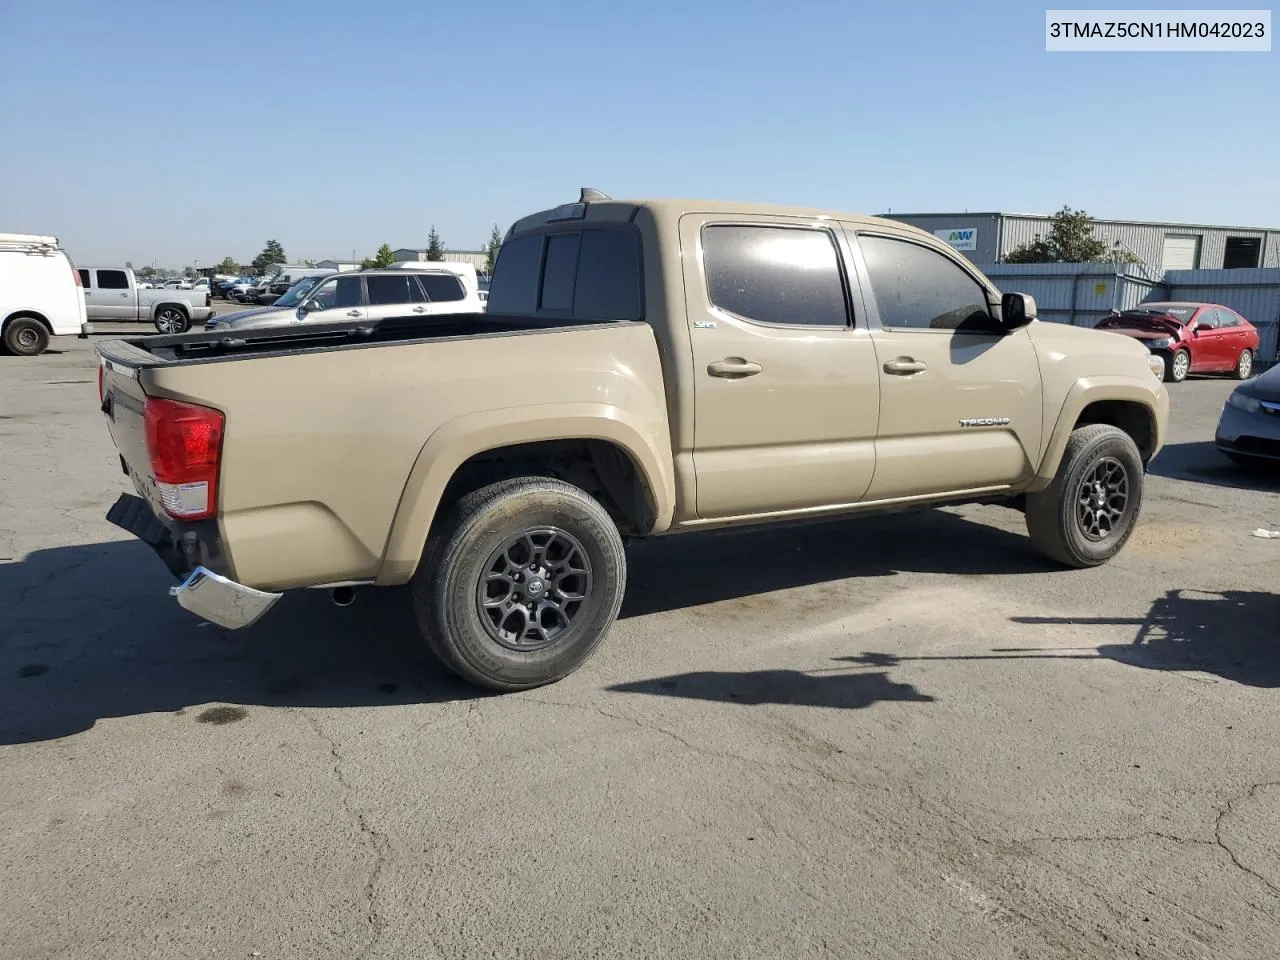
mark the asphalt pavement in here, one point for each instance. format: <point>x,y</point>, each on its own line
<point>897,737</point>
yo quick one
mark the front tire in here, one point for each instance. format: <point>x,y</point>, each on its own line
<point>26,337</point>
<point>1244,366</point>
<point>520,584</point>
<point>172,320</point>
<point>1087,513</point>
<point>1176,366</point>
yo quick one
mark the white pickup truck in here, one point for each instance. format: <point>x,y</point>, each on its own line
<point>113,294</point>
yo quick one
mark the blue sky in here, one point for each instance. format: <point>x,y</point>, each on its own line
<point>159,131</point>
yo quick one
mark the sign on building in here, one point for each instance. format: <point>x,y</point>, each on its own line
<point>960,238</point>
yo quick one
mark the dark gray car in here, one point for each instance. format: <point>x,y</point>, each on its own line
<point>1249,428</point>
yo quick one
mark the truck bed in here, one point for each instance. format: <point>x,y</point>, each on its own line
<point>326,432</point>
<point>217,345</point>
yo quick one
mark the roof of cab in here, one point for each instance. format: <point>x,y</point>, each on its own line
<point>675,207</point>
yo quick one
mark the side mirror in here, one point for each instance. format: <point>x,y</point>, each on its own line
<point>1017,310</point>
<point>310,306</point>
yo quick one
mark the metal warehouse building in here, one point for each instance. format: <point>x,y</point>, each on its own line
<point>478,258</point>
<point>989,237</point>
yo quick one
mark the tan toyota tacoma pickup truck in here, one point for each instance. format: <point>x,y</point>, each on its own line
<point>644,368</point>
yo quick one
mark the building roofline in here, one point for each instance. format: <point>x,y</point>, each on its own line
<point>1096,220</point>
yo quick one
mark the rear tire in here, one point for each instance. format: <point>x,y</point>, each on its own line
<point>520,584</point>
<point>1244,366</point>
<point>26,337</point>
<point>1087,513</point>
<point>172,320</point>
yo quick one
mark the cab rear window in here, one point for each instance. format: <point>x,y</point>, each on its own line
<point>590,274</point>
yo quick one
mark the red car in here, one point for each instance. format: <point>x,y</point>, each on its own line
<point>1191,337</point>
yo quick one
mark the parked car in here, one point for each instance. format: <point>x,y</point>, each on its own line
<point>112,293</point>
<point>224,287</point>
<point>282,281</point>
<point>646,368</point>
<point>40,293</point>
<point>239,291</point>
<point>283,306</point>
<point>270,288</point>
<point>1249,426</point>
<point>366,295</point>
<point>1191,337</point>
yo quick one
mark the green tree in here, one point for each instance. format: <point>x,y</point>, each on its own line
<point>147,272</point>
<point>384,257</point>
<point>368,263</point>
<point>435,249</point>
<point>1070,240</point>
<point>491,250</point>
<point>272,255</point>
<point>227,265</point>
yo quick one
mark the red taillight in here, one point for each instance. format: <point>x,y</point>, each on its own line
<point>102,382</point>
<point>184,441</point>
<point>76,273</point>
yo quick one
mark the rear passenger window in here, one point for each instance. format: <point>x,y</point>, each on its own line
<point>608,286</point>
<point>384,290</point>
<point>84,277</point>
<point>113,280</point>
<point>918,288</point>
<point>560,273</point>
<point>778,275</point>
<point>442,287</point>
<point>515,276</point>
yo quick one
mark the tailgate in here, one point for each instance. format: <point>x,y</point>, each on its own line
<point>123,404</point>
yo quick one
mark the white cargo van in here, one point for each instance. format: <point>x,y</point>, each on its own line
<point>40,293</point>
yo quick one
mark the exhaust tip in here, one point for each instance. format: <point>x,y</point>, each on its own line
<point>343,596</point>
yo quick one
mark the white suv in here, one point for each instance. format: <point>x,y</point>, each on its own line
<point>367,295</point>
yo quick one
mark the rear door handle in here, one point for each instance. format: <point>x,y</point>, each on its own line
<point>905,366</point>
<point>419,309</point>
<point>353,313</point>
<point>733,368</point>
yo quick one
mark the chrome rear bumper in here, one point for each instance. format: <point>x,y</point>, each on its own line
<point>219,600</point>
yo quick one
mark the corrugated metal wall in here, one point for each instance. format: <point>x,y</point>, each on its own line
<point>1076,293</point>
<point>1254,294</point>
<point>1271,250</point>
<point>987,225</point>
<point>1084,293</point>
<point>1146,241</point>
<point>998,234</point>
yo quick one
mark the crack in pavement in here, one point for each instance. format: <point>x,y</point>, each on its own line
<point>690,745</point>
<point>1217,832</point>
<point>1217,840</point>
<point>46,579</point>
<point>375,840</point>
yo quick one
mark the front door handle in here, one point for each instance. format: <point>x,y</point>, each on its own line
<point>419,309</point>
<point>733,368</point>
<point>905,366</point>
<point>353,313</point>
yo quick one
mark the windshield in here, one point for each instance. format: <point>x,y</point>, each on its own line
<point>293,296</point>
